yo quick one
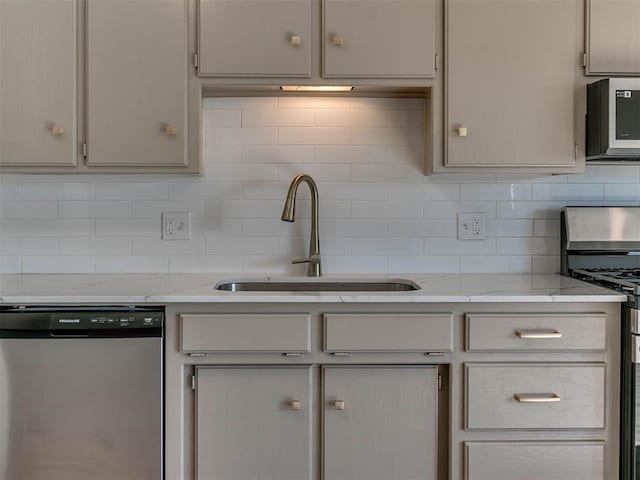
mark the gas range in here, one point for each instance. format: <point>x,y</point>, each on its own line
<point>626,280</point>
<point>601,245</point>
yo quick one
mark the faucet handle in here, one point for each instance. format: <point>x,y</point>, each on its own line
<point>313,260</point>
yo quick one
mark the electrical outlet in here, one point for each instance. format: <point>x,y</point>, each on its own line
<point>176,225</point>
<point>471,226</point>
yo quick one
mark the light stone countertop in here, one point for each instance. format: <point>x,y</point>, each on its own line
<point>130,289</point>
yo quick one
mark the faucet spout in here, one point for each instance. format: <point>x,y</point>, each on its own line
<point>288,215</point>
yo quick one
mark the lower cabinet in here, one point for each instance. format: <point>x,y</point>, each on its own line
<point>379,423</point>
<point>535,460</point>
<point>253,423</point>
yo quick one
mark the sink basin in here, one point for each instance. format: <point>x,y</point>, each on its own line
<point>318,286</point>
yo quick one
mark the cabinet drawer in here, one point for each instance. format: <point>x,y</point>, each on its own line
<point>535,396</point>
<point>534,460</point>
<point>388,333</point>
<point>245,333</point>
<point>535,332</point>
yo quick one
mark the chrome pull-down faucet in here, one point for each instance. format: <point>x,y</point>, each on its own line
<point>288,215</point>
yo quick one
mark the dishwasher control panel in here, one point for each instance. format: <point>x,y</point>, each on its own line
<point>101,320</point>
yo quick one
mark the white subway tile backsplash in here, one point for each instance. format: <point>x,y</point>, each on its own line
<point>58,264</point>
<point>495,264</point>
<point>623,192</point>
<point>496,191</point>
<point>28,209</point>
<point>278,154</point>
<point>314,136</point>
<point>571,191</point>
<point>350,118</point>
<point>156,246</point>
<point>241,135</point>
<point>378,212</point>
<point>387,209</point>
<point>262,117</point>
<point>205,263</point>
<point>132,264</point>
<point>223,117</point>
<point>95,246</point>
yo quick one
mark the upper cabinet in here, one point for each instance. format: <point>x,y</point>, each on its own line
<point>38,83</point>
<point>613,37</point>
<point>265,38</point>
<point>284,39</point>
<point>137,83</point>
<point>382,39</point>
<point>510,84</point>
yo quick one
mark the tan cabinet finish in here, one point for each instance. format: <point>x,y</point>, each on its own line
<point>380,423</point>
<point>388,333</point>
<point>245,333</point>
<point>613,37</point>
<point>382,38</point>
<point>137,83</point>
<point>253,422</point>
<point>265,38</point>
<point>510,80</point>
<point>535,332</point>
<point>534,460</point>
<point>535,396</point>
<point>38,83</point>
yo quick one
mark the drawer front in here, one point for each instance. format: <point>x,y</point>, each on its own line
<point>535,332</point>
<point>535,396</point>
<point>534,460</point>
<point>388,333</point>
<point>245,333</point>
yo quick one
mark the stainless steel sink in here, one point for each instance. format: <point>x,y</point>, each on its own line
<point>318,286</point>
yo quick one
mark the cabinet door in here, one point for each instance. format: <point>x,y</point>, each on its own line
<point>613,37</point>
<point>380,423</point>
<point>253,422</point>
<point>510,83</point>
<point>38,82</point>
<point>136,83</point>
<point>254,38</point>
<point>383,38</point>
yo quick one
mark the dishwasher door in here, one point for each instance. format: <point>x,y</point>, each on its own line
<point>76,408</point>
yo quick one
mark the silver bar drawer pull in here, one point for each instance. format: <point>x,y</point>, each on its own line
<point>538,334</point>
<point>536,397</point>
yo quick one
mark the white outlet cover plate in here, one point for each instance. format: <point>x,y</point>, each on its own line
<point>176,225</point>
<point>472,226</point>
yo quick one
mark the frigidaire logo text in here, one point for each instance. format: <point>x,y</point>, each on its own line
<point>69,320</point>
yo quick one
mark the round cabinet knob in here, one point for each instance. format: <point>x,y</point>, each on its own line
<point>462,131</point>
<point>57,130</point>
<point>295,405</point>
<point>338,404</point>
<point>170,130</point>
<point>295,40</point>
<point>338,40</point>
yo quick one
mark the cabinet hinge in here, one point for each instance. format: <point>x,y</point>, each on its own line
<point>584,59</point>
<point>84,150</point>
<point>195,60</point>
<point>575,152</point>
<point>193,383</point>
<point>439,382</point>
<point>435,62</point>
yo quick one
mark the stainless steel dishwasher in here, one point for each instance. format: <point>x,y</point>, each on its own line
<point>81,393</point>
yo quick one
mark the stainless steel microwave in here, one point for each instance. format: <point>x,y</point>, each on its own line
<point>613,119</point>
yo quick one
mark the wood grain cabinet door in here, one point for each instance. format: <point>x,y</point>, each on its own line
<point>613,37</point>
<point>137,83</point>
<point>253,423</point>
<point>38,83</point>
<point>510,77</point>
<point>254,38</point>
<point>381,38</point>
<point>380,423</point>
